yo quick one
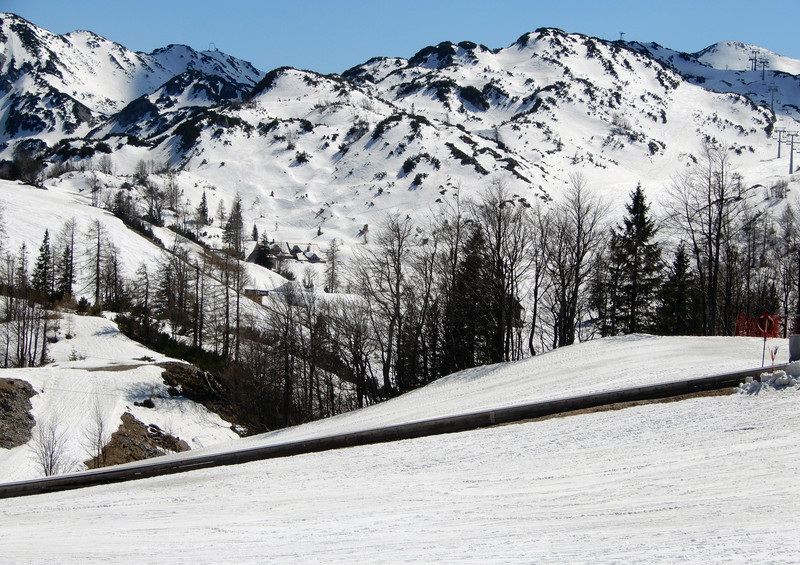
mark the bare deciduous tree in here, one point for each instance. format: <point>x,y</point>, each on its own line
<point>49,445</point>
<point>705,204</point>
<point>97,434</point>
<point>574,241</point>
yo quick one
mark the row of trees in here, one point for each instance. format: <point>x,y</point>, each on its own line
<point>496,279</point>
<point>485,281</point>
<point>731,257</point>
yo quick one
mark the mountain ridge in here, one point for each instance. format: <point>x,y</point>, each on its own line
<point>314,153</point>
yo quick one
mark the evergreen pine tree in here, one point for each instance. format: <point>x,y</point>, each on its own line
<point>42,279</point>
<point>66,272</point>
<point>221,213</point>
<point>21,281</point>
<point>201,213</point>
<point>634,269</point>
<point>64,260</point>
<point>604,294</point>
<point>467,314</point>
<point>679,298</point>
<point>233,233</point>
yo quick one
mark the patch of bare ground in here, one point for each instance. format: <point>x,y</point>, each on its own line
<point>201,387</point>
<point>16,420</point>
<point>134,441</point>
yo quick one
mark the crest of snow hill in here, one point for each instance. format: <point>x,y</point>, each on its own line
<point>308,159</point>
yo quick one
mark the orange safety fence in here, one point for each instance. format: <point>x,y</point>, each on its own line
<point>753,326</point>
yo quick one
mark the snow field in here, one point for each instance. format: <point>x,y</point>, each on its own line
<point>709,479</point>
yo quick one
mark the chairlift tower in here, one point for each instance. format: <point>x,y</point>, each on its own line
<point>791,135</point>
<point>754,60</point>
<point>772,89</point>
<point>764,64</point>
<point>780,131</point>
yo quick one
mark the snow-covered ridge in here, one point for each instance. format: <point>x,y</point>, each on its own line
<point>706,473</point>
<point>734,55</point>
<point>65,84</point>
<point>326,155</point>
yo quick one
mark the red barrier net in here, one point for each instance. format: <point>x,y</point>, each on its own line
<point>754,326</point>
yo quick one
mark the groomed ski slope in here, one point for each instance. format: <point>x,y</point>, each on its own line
<point>705,480</point>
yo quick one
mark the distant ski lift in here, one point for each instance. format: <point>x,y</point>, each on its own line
<point>212,47</point>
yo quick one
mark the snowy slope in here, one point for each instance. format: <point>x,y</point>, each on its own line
<point>727,66</point>
<point>95,370</point>
<point>586,368</point>
<point>27,212</point>
<point>708,479</point>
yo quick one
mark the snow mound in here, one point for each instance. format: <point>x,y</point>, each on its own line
<point>778,380</point>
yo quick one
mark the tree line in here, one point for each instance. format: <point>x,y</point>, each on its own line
<point>497,279</point>
<point>486,280</point>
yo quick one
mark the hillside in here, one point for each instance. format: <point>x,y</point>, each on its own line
<point>706,473</point>
<point>94,378</point>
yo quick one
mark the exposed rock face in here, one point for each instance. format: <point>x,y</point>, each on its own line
<point>16,421</point>
<point>134,441</point>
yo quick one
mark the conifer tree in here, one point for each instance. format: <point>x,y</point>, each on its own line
<point>66,277</point>
<point>633,270</point>
<point>221,213</point>
<point>65,264</point>
<point>42,279</point>
<point>679,298</point>
<point>201,213</point>
<point>21,281</point>
<point>233,233</point>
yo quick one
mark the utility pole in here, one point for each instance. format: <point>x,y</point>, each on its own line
<point>621,35</point>
<point>772,89</point>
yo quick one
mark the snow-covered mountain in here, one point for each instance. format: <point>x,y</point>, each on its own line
<point>315,157</point>
<point>768,79</point>
<point>55,86</point>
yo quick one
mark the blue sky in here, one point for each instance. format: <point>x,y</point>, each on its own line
<point>332,36</point>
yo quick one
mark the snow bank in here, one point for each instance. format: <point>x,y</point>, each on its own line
<point>778,380</point>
